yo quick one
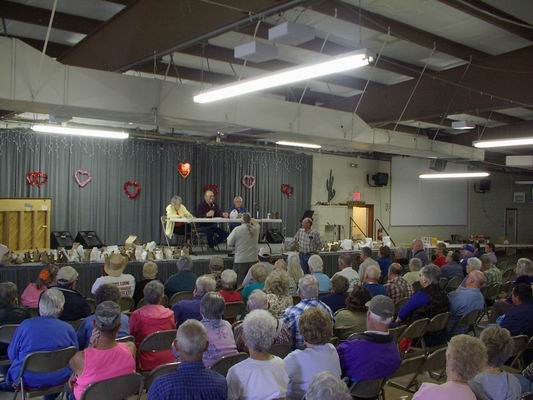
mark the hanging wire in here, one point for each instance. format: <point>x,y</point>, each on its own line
<point>45,46</point>
<point>241,72</point>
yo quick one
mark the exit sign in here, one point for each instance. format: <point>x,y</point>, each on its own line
<point>356,196</point>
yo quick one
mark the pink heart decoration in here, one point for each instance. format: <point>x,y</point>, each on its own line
<point>82,177</point>
<point>248,181</point>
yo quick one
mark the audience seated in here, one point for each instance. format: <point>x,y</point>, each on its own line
<point>466,299</point>
<point>418,251</point>
<point>216,266</point>
<point>493,275</point>
<point>43,333</point>
<point>191,380</point>
<point>490,251</point>
<point>466,356</point>
<point>281,265</point>
<point>518,319</point>
<point>339,289</point>
<point>493,382</point>
<point>10,312</point>
<point>384,261</point>
<point>294,269</point>
<point>190,309</point>
<point>326,386</point>
<point>308,291</point>
<point>151,318</point>
<point>106,359</point>
<point>366,260</point>
<point>316,268</point>
<point>526,379</point>
<point>440,254</point>
<point>319,355</point>
<point>264,259</point>
<point>354,316</point>
<point>259,274</point>
<point>149,274</point>
<point>397,288</point>
<point>374,353</point>
<point>345,266</point>
<point>114,266</point>
<point>76,307</point>
<point>219,333</point>
<point>184,280</point>
<point>472,264</point>
<point>467,251</point>
<point>371,281</point>
<point>524,271</point>
<point>228,284</point>
<point>258,301</point>
<point>31,294</point>
<point>400,256</point>
<point>453,268</point>
<point>277,290</point>
<point>415,265</point>
<point>105,292</point>
<point>262,376</point>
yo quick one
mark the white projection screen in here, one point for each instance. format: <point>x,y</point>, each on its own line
<point>426,202</point>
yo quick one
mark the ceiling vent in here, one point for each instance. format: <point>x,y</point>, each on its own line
<point>463,125</point>
<point>291,33</point>
<point>256,52</point>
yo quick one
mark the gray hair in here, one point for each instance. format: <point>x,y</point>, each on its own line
<point>8,294</point>
<point>228,279</point>
<point>326,386</point>
<point>316,264</point>
<point>184,263</point>
<point>259,328</point>
<point>372,271</point>
<point>486,260</point>
<point>499,344</point>
<point>379,319</point>
<point>308,287</point>
<point>176,199</point>
<point>524,266</point>
<point>107,292</point>
<point>191,337</point>
<point>205,284</point>
<point>473,264</point>
<point>212,306</point>
<point>466,356</point>
<point>257,300</point>
<point>431,273</point>
<point>415,264</point>
<point>51,303</point>
<point>153,292</point>
<point>293,266</point>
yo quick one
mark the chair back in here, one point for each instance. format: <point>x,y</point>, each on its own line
<point>75,324</point>
<point>281,350</point>
<point>176,297</point>
<point>223,365</point>
<point>233,310</point>
<point>158,341</point>
<point>370,389</point>
<point>443,282</point>
<point>520,343</point>
<point>438,322</point>
<point>436,362</point>
<point>493,291</point>
<point>159,371</point>
<point>126,304</point>
<point>7,332</point>
<point>416,330</point>
<point>92,304</point>
<point>409,366</point>
<point>118,388</point>
<point>296,299</point>
<point>453,284</point>
<point>343,332</point>
<point>125,339</point>
<point>468,320</point>
<point>396,332</point>
<point>507,274</point>
<point>507,287</point>
<point>47,361</point>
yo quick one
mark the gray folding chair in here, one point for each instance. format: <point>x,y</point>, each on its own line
<point>409,366</point>
<point>223,365</point>
<point>435,364</point>
<point>118,388</point>
<point>157,341</point>
<point>126,304</point>
<point>416,332</point>
<point>370,389</point>
<point>520,345</point>
<point>159,371</point>
<point>6,335</point>
<point>468,321</point>
<point>436,324</point>
<point>43,362</point>
<point>280,350</point>
<point>176,297</point>
<point>396,332</point>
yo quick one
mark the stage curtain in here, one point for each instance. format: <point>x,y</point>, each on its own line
<point>102,205</point>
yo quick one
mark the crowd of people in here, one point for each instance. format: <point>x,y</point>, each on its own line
<point>285,306</point>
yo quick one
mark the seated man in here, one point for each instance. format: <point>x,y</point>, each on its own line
<point>316,267</point>
<point>397,288</point>
<point>190,309</point>
<point>308,292</point>
<point>339,289</point>
<point>76,307</point>
<point>209,209</point>
<point>452,268</point>
<point>418,251</point>
<point>371,281</point>
<point>466,299</point>
<point>518,320</point>
<point>114,266</point>
<point>374,353</point>
<point>366,261</point>
<point>345,265</point>
<point>492,273</point>
<point>184,280</point>
<point>191,380</point>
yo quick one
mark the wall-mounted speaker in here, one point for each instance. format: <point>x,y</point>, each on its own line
<point>380,179</point>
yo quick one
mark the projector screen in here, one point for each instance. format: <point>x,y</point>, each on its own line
<point>426,202</point>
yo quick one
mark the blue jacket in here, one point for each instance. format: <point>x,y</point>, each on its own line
<point>417,300</point>
<point>463,301</point>
<point>452,270</point>
<point>518,320</point>
<point>384,264</point>
<point>187,309</point>
<point>375,289</point>
<point>335,301</point>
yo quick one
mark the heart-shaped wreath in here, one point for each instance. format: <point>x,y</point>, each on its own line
<point>287,190</point>
<point>132,194</point>
<point>82,177</point>
<point>248,181</point>
<point>36,178</point>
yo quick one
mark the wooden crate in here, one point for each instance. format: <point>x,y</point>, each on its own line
<point>25,223</point>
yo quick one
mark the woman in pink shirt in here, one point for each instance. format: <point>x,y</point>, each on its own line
<point>107,358</point>
<point>466,356</point>
<point>31,295</point>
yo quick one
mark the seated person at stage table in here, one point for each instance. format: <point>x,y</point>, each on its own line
<point>76,307</point>
<point>236,212</point>
<point>190,309</point>
<point>43,333</point>
<point>176,209</point>
<point>209,209</point>
<point>10,311</point>
<point>308,243</point>
<point>114,266</point>
<point>184,280</point>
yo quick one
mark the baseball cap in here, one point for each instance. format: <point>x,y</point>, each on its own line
<point>107,315</point>
<point>381,305</point>
<point>469,247</point>
<point>150,270</point>
<point>264,252</point>
<point>67,274</point>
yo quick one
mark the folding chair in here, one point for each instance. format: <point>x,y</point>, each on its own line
<point>370,389</point>
<point>92,304</point>
<point>493,291</point>
<point>416,332</point>
<point>520,344</point>
<point>409,366</point>
<point>233,310</point>
<point>469,321</point>
<point>163,220</point>
<point>223,364</point>
<point>443,282</point>
<point>437,324</point>
<point>435,364</point>
<point>344,332</point>
<point>176,297</point>
<point>507,274</point>
<point>396,332</point>
<point>43,362</point>
<point>280,350</point>
<point>126,304</point>
<point>6,335</point>
<point>118,388</point>
<point>159,371</point>
<point>125,339</point>
<point>453,284</point>
<point>157,341</point>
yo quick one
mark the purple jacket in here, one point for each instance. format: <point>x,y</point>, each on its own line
<point>187,309</point>
<point>369,356</point>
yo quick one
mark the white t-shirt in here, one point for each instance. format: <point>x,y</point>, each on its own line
<point>257,380</point>
<point>124,282</point>
<point>245,244</point>
<point>350,274</point>
<point>303,365</point>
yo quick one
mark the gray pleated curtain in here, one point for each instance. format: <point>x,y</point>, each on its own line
<point>102,205</point>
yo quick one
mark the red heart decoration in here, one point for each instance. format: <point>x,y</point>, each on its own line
<point>287,190</point>
<point>248,181</point>
<point>136,186</point>
<point>78,176</point>
<point>36,178</point>
<point>184,169</point>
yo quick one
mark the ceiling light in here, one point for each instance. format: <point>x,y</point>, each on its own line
<point>455,175</point>
<point>297,144</point>
<point>485,144</point>
<point>285,77</point>
<point>523,182</point>
<point>463,125</point>
<point>64,130</point>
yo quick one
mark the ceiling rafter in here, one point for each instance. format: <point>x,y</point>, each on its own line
<point>498,117</point>
<point>53,49</point>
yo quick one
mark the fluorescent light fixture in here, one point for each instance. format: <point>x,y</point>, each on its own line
<point>64,130</point>
<point>285,77</point>
<point>487,144</point>
<point>463,125</point>
<point>455,175</point>
<point>523,182</point>
<point>297,144</point>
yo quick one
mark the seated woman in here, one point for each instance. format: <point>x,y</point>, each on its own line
<point>106,359</point>
<point>219,333</point>
<point>10,311</point>
<point>149,319</point>
<point>42,333</point>
<point>294,269</point>
<point>326,386</point>
<point>415,265</point>
<point>31,294</point>
<point>262,376</point>
<point>259,274</point>
<point>228,282</point>
<point>353,318</point>
<point>465,358</point>
<point>176,209</point>
<point>339,288</point>
<point>316,268</point>
<point>149,274</point>
<point>277,290</point>
<point>493,382</point>
<point>319,355</point>
<point>281,265</point>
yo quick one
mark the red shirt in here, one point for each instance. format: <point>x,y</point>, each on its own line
<point>440,261</point>
<point>230,296</point>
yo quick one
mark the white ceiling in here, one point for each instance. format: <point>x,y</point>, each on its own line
<point>38,32</point>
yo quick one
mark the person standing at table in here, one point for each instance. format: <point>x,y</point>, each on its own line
<point>176,209</point>
<point>209,209</point>
<point>236,212</point>
<point>308,243</point>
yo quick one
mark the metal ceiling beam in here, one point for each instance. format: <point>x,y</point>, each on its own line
<point>397,29</point>
<point>492,15</point>
<point>162,27</point>
<point>499,117</point>
<point>53,49</point>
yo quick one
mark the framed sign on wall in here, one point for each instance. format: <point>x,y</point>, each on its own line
<point>519,197</point>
